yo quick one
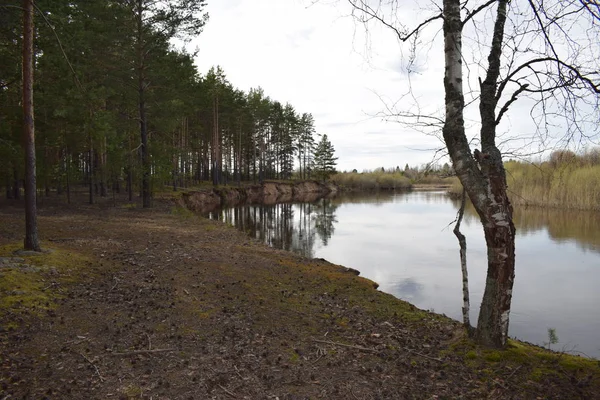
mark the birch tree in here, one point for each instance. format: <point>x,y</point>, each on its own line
<point>462,243</point>
<point>549,54</point>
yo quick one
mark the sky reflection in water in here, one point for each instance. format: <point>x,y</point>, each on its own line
<point>404,242</point>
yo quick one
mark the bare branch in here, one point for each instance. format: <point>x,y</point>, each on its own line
<point>470,15</point>
<point>595,87</point>
<point>403,36</point>
<point>543,28</point>
<point>513,98</point>
<point>593,7</point>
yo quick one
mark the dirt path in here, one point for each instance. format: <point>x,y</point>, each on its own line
<point>156,305</point>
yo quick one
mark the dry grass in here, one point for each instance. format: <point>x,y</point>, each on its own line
<point>573,185</point>
<point>372,180</point>
<point>565,181</point>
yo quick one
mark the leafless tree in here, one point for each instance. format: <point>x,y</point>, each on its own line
<point>462,242</point>
<point>545,54</point>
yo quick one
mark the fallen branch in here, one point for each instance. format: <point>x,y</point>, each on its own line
<point>512,373</point>
<point>238,373</point>
<point>93,365</point>
<point>346,345</point>
<point>127,353</point>
<point>117,280</point>
<point>53,284</point>
<point>228,392</point>
<point>423,355</point>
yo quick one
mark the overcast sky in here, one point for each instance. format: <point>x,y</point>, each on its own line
<point>317,58</point>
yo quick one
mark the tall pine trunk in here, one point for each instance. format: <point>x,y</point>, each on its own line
<point>16,183</point>
<point>146,195</point>
<point>216,170</point>
<point>31,232</point>
<point>8,188</point>
<point>90,169</point>
<point>67,175</point>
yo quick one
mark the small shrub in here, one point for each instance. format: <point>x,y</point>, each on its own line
<point>493,356</point>
<point>552,337</point>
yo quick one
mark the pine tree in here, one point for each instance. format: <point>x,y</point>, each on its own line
<point>305,144</point>
<point>31,232</point>
<point>153,20</point>
<point>325,161</point>
<point>118,103</point>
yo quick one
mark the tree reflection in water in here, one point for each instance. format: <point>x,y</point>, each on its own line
<point>324,219</point>
<point>292,227</point>
<point>579,227</point>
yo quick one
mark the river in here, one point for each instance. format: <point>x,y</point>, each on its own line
<point>404,242</point>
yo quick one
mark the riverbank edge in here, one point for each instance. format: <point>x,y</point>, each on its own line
<point>520,367</point>
<point>202,200</point>
<point>207,199</point>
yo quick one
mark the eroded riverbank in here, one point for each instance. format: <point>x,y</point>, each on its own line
<point>208,199</point>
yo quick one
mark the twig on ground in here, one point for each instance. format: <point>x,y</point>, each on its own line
<point>228,392</point>
<point>127,353</point>
<point>514,372</point>
<point>238,372</point>
<point>116,283</point>
<point>93,365</point>
<point>318,358</point>
<point>321,352</point>
<point>51,285</point>
<point>497,382</point>
<point>346,345</point>
<point>423,355</point>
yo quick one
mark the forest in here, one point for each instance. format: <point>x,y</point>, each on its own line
<point>120,105</point>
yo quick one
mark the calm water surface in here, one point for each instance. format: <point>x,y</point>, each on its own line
<point>404,242</point>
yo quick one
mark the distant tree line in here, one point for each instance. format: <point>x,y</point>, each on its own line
<point>415,173</point>
<point>118,107</point>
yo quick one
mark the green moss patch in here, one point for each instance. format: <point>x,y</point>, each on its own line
<point>536,363</point>
<point>31,284</point>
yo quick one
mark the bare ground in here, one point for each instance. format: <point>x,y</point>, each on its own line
<point>156,304</point>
